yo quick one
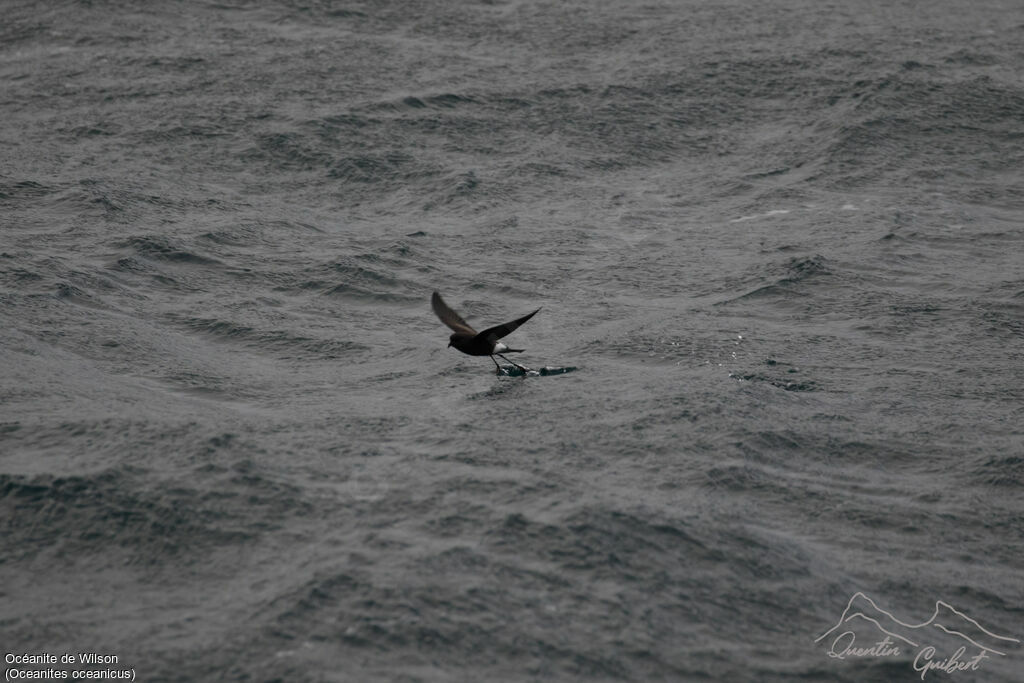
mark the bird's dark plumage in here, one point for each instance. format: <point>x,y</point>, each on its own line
<point>468,340</point>
<point>450,317</point>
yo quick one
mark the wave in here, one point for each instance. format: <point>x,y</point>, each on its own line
<point>281,343</point>
<point>165,248</point>
<point>797,275</point>
<point>90,515</point>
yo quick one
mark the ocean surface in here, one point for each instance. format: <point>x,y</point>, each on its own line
<point>781,243</point>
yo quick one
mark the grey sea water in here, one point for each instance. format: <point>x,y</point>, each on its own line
<point>780,242</point>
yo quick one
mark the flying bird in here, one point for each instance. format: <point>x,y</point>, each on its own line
<point>474,343</point>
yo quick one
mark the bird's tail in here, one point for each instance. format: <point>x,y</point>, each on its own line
<point>513,350</point>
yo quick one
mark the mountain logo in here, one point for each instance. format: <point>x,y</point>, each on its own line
<point>947,630</point>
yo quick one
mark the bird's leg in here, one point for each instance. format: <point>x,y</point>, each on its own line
<point>521,367</point>
<point>496,366</point>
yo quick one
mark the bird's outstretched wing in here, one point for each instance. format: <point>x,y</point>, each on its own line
<point>453,319</point>
<point>498,331</point>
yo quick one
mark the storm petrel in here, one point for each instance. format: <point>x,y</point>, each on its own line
<point>474,343</point>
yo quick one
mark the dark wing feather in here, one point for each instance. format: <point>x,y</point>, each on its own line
<point>450,317</point>
<point>498,331</point>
